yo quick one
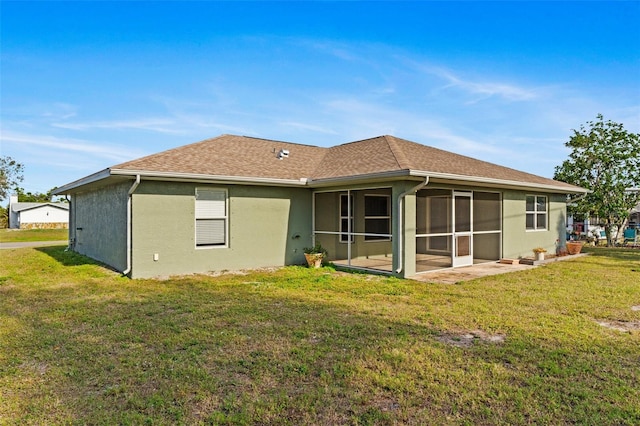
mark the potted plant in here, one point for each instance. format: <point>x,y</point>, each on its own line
<point>574,247</point>
<point>315,255</point>
<point>539,253</point>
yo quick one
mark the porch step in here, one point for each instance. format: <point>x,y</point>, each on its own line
<point>510,261</point>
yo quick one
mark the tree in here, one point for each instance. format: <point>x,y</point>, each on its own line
<point>10,175</point>
<point>34,197</point>
<point>605,159</point>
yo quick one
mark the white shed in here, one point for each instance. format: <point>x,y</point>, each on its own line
<point>37,215</point>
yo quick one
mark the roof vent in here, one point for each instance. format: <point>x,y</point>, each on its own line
<point>284,153</point>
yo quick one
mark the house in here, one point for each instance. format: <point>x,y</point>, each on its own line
<point>383,204</point>
<point>37,215</point>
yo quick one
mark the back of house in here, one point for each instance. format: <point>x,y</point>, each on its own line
<point>383,204</point>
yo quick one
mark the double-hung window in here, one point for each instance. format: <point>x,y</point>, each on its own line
<point>536,206</point>
<point>377,217</point>
<point>211,217</point>
<point>346,218</point>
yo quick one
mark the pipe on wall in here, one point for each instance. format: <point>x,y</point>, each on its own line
<point>72,227</point>
<point>129,197</point>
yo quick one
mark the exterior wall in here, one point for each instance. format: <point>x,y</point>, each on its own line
<point>99,224</point>
<point>45,217</point>
<point>267,226</point>
<point>517,241</point>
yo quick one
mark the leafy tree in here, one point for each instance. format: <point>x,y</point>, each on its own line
<point>34,197</point>
<point>604,158</point>
<point>11,174</point>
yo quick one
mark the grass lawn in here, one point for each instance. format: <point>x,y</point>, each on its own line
<point>26,235</point>
<point>82,345</point>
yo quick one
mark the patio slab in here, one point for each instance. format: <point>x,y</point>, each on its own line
<point>467,273</point>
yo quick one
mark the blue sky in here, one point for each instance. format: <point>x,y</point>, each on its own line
<point>87,85</point>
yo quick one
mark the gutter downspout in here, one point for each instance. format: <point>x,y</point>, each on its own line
<point>401,215</point>
<point>129,194</point>
<point>72,227</point>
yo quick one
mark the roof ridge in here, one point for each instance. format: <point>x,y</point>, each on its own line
<point>278,141</point>
<point>397,151</point>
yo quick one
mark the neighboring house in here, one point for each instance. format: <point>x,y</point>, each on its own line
<point>383,204</point>
<point>37,215</point>
<point>634,217</point>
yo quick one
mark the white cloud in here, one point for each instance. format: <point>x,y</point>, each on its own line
<point>112,152</point>
<point>160,125</point>
<point>481,89</point>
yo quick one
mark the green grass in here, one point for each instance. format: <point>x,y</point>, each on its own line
<point>82,345</point>
<point>27,235</point>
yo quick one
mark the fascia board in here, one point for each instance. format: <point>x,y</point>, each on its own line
<point>199,178</point>
<point>54,205</point>
<point>370,177</point>
<point>65,189</point>
<point>501,183</point>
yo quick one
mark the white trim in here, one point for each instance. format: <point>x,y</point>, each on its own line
<point>314,183</point>
<point>350,219</point>
<point>129,224</point>
<point>500,182</point>
<point>200,178</point>
<point>102,174</point>
<point>535,213</point>
<point>226,219</point>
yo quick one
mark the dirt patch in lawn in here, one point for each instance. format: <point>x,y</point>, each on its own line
<point>625,326</point>
<point>469,338</point>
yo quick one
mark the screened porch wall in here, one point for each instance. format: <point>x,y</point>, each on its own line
<point>434,227</point>
<point>369,232</point>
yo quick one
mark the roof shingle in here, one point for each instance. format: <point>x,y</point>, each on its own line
<point>248,157</point>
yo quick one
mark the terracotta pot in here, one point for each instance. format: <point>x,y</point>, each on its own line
<point>574,247</point>
<point>314,260</point>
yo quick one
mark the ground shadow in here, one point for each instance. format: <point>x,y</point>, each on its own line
<point>68,257</point>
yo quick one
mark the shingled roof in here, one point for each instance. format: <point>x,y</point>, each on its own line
<point>230,155</point>
<point>388,153</point>
<point>247,159</point>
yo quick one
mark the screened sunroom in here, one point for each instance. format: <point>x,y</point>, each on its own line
<point>457,228</point>
<point>355,227</point>
<point>452,228</point>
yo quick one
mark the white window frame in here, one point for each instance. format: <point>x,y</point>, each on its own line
<point>211,216</point>
<point>346,232</point>
<point>374,238</point>
<point>535,213</point>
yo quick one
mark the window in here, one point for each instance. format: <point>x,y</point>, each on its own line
<point>346,216</point>
<point>211,217</point>
<point>377,217</point>
<point>536,212</point>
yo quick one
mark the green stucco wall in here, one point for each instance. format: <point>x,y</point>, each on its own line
<point>98,224</point>
<point>517,241</point>
<point>268,226</point>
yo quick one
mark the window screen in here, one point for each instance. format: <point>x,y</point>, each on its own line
<point>211,217</point>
